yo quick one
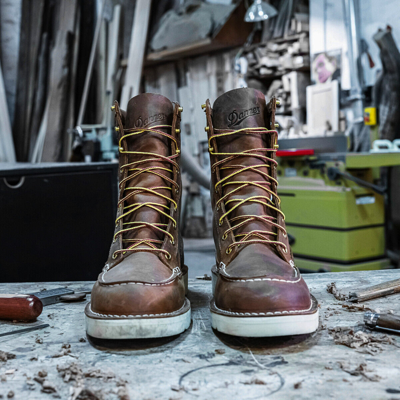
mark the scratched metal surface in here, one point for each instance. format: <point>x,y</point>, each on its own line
<point>200,363</point>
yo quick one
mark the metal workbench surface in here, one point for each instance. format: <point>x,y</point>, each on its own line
<point>60,362</point>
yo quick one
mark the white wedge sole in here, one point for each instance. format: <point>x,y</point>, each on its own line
<point>137,326</point>
<point>264,324</point>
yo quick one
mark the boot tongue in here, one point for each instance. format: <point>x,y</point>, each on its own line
<point>146,111</point>
<point>238,109</point>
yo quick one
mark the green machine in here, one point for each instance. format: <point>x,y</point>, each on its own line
<point>335,212</point>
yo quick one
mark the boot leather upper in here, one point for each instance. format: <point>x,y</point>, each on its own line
<point>145,282</point>
<point>255,278</point>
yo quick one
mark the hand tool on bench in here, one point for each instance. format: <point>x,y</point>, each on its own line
<point>27,307</point>
<point>373,292</point>
<point>387,322</point>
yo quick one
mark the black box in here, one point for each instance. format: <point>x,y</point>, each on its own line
<point>56,220</point>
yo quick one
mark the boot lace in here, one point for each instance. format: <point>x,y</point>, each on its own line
<point>135,169</point>
<point>254,236</point>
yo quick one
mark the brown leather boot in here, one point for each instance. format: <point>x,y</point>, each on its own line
<point>258,290</point>
<point>141,290</point>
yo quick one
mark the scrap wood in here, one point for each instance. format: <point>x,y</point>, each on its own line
<point>331,288</point>
<point>371,344</point>
<point>361,370</point>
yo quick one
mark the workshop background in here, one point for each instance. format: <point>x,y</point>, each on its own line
<point>333,65</point>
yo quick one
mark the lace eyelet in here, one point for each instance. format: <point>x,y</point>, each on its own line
<point>284,235</point>
<point>168,256</point>
<point>114,256</point>
<point>228,250</point>
<point>115,239</point>
<point>176,191</point>
<point>220,223</point>
<point>217,208</point>
<point>224,236</point>
<point>284,250</point>
<point>172,241</point>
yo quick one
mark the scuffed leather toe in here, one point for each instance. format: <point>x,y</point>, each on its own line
<point>137,298</point>
<point>262,296</point>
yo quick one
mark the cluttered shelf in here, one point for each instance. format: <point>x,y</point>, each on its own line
<point>342,359</point>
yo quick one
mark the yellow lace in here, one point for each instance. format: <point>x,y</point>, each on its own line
<point>246,237</point>
<point>133,171</point>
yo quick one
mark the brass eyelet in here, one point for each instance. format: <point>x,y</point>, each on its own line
<point>229,250</point>
<point>121,149</point>
<point>224,236</point>
<point>220,223</point>
<point>114,256</point>
<point>172,241</point>
<point>168,256</point>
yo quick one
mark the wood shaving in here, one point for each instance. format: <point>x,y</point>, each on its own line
<point>369,343</point>
<point>254,381</point>
<point>356,307</point>
<point>361,370</point>
<point>4,356</point>
<point>331,288</point>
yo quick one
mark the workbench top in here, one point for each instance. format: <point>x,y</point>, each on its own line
<point>200,363</point>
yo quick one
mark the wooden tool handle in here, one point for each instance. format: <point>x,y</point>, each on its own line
<point>373,292</point>
<point>20,307</point>
<point>389,321</point>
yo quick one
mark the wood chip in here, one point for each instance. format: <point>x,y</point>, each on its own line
<point>331,288</point>
<point>356,307</point>
<point>371,344</point>
<point>4,356</point>
<point>360,370</point>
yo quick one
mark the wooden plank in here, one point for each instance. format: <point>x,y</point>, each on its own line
<point>10,26</point>
<point>7,151</point>
<point>61,61</point>
<point>136,51</point>
<point>201,363</point>
<point>20,126</point>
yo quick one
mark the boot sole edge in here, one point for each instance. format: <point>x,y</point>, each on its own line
<point>269,326</point>
<point>137,327</point>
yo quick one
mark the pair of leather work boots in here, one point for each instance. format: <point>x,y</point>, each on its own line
<point>257,289</point>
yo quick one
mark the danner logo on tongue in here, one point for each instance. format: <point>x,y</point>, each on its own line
<point>235,117</point>
<point>149,120</point>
